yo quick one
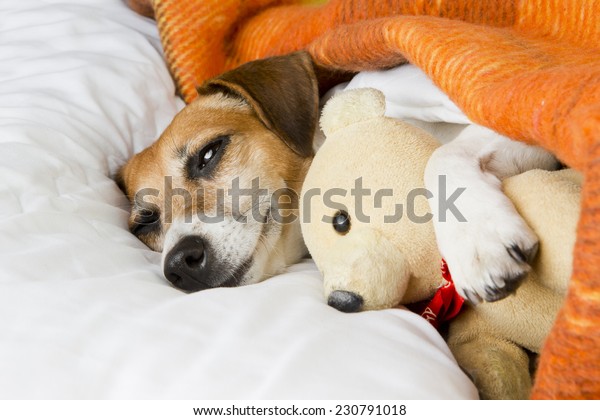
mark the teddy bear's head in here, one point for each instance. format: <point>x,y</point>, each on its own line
<point>364,210</point>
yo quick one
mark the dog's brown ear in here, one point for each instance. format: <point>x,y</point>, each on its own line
<point>284,93</point>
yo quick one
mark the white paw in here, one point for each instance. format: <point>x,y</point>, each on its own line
<point>489,254</point>
<point>489,251</point>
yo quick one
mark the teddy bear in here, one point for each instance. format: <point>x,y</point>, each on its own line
<point>379,250</point>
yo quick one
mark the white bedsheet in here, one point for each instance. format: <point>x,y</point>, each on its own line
<point>84,309</point>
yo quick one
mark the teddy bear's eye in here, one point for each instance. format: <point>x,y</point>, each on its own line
<point>341,222</point>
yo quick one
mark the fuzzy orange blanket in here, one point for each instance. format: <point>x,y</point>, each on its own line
<point>527,69</point>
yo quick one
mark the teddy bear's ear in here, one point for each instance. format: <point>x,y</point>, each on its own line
<point>352,106</point>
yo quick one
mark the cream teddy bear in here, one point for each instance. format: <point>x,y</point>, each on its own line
<point>365,220</point>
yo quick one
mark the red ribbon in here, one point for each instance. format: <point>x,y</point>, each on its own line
<point>445,304</point>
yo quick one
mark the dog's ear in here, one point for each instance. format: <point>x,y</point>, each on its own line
<point>284,93</point>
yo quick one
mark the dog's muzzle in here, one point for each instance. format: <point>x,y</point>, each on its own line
<point>193,266</point>
<point>187,265</point>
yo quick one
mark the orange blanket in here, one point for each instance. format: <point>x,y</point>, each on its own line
<point>529,69</point>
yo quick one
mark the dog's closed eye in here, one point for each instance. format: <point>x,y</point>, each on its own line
<point>203,163</point>
<point>145,222</point>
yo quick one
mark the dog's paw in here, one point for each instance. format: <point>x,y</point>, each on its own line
<point>489,255</point>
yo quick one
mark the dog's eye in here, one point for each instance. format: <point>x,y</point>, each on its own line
<point>202,163</point>
<point>208,153</point>
<point>341,222</point>
<point>145,221</point>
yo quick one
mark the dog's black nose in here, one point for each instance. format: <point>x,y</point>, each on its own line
<point>345,301</point>
<point>186,265</point>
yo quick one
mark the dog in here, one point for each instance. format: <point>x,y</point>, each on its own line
<point>211,192</point>
<point>251,130</point>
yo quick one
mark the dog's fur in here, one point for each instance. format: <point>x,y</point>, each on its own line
<point>264,113</point>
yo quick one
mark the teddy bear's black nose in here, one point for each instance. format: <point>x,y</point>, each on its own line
<point>345,301</point>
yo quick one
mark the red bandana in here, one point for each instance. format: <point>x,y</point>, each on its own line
<point>444,305</point>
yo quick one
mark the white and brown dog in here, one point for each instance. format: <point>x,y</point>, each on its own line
<point>217,194</point>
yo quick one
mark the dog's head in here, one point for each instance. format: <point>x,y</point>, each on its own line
<point>217,193</point>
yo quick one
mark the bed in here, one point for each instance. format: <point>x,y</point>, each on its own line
<point>85,312</point>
